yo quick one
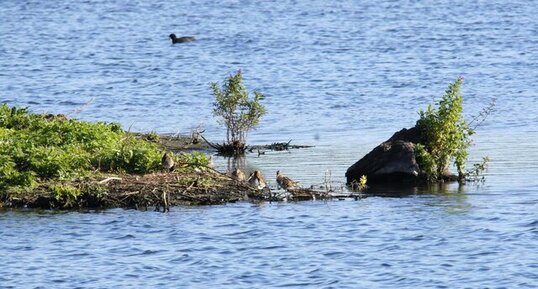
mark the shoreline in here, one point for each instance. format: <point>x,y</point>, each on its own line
<point>158,190</point>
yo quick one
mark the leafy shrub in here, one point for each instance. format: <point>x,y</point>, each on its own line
<point>65,195</point>
<point>196,160</point>
<point>445,136</point>
<point>235,110</point>
<point>10,177</point>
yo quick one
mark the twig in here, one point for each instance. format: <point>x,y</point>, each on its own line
<point>209,143</point>
<point>81,107</point>
<point>166,205</point>
<point>484,113</point>
<point>129,194</point>
<point>109,179</point>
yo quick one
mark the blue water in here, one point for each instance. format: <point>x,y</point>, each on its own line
<point>341,76</point>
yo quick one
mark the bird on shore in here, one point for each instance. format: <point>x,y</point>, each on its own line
<point>257,180</point>
<point>167,162</point>
<point>182,39</point>
<point>285,182</point>
<point>239,175</point>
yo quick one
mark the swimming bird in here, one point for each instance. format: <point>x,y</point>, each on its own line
<point>182,39</point>
<point>285,182</point>
<point>257,180</point>
<point>168,163</point>
<point>239,175</point>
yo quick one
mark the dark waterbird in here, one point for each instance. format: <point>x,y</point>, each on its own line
<point>182,39</point>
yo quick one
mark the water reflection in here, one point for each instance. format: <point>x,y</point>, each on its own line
<point>404,190</point>
<point>450,196</point>
<point>235,162</point>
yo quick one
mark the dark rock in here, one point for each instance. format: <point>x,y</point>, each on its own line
<point>408,135</point>
<point>391,161</point>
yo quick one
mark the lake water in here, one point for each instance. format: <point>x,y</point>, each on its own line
<point>340,76</point>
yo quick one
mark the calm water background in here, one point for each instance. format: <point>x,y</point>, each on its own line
<point>341,76</point>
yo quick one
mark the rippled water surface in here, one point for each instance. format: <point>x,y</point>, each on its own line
<point>340,76</point>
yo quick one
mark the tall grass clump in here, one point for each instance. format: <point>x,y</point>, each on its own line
<point>236,111</point>
<point>446,137</point>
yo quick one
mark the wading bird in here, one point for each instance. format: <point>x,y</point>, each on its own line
<point>285,182</point>
<point>257,180</point>
<point>239,175</point>
<point>167,162</point>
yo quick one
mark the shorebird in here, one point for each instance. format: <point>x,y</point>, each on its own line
<point>257,180</point>
<point>285,182</point>
<point>167,162</point>
<point>239,175</point>
<point>183,39</point>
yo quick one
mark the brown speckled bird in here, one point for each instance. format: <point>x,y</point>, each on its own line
<point>257,180</point>
<point>239,175</point>
<point>285,182</point>
<point>167,162</point>
<point>183,39</point>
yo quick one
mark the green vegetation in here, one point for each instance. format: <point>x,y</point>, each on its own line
<point>446,137</point>
<point>236,111</point>
<point>50,150</point>
<point>360,185</point>
<point>196,161</point>
<point>152,136</point>
<point>65,194</point>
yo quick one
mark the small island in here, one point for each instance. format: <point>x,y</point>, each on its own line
<point>52,162</point>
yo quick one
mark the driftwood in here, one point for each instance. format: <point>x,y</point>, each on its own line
<point>108,180</point>
<point>196,141</point>
<point>227,149</point>
<point>278,146</point>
